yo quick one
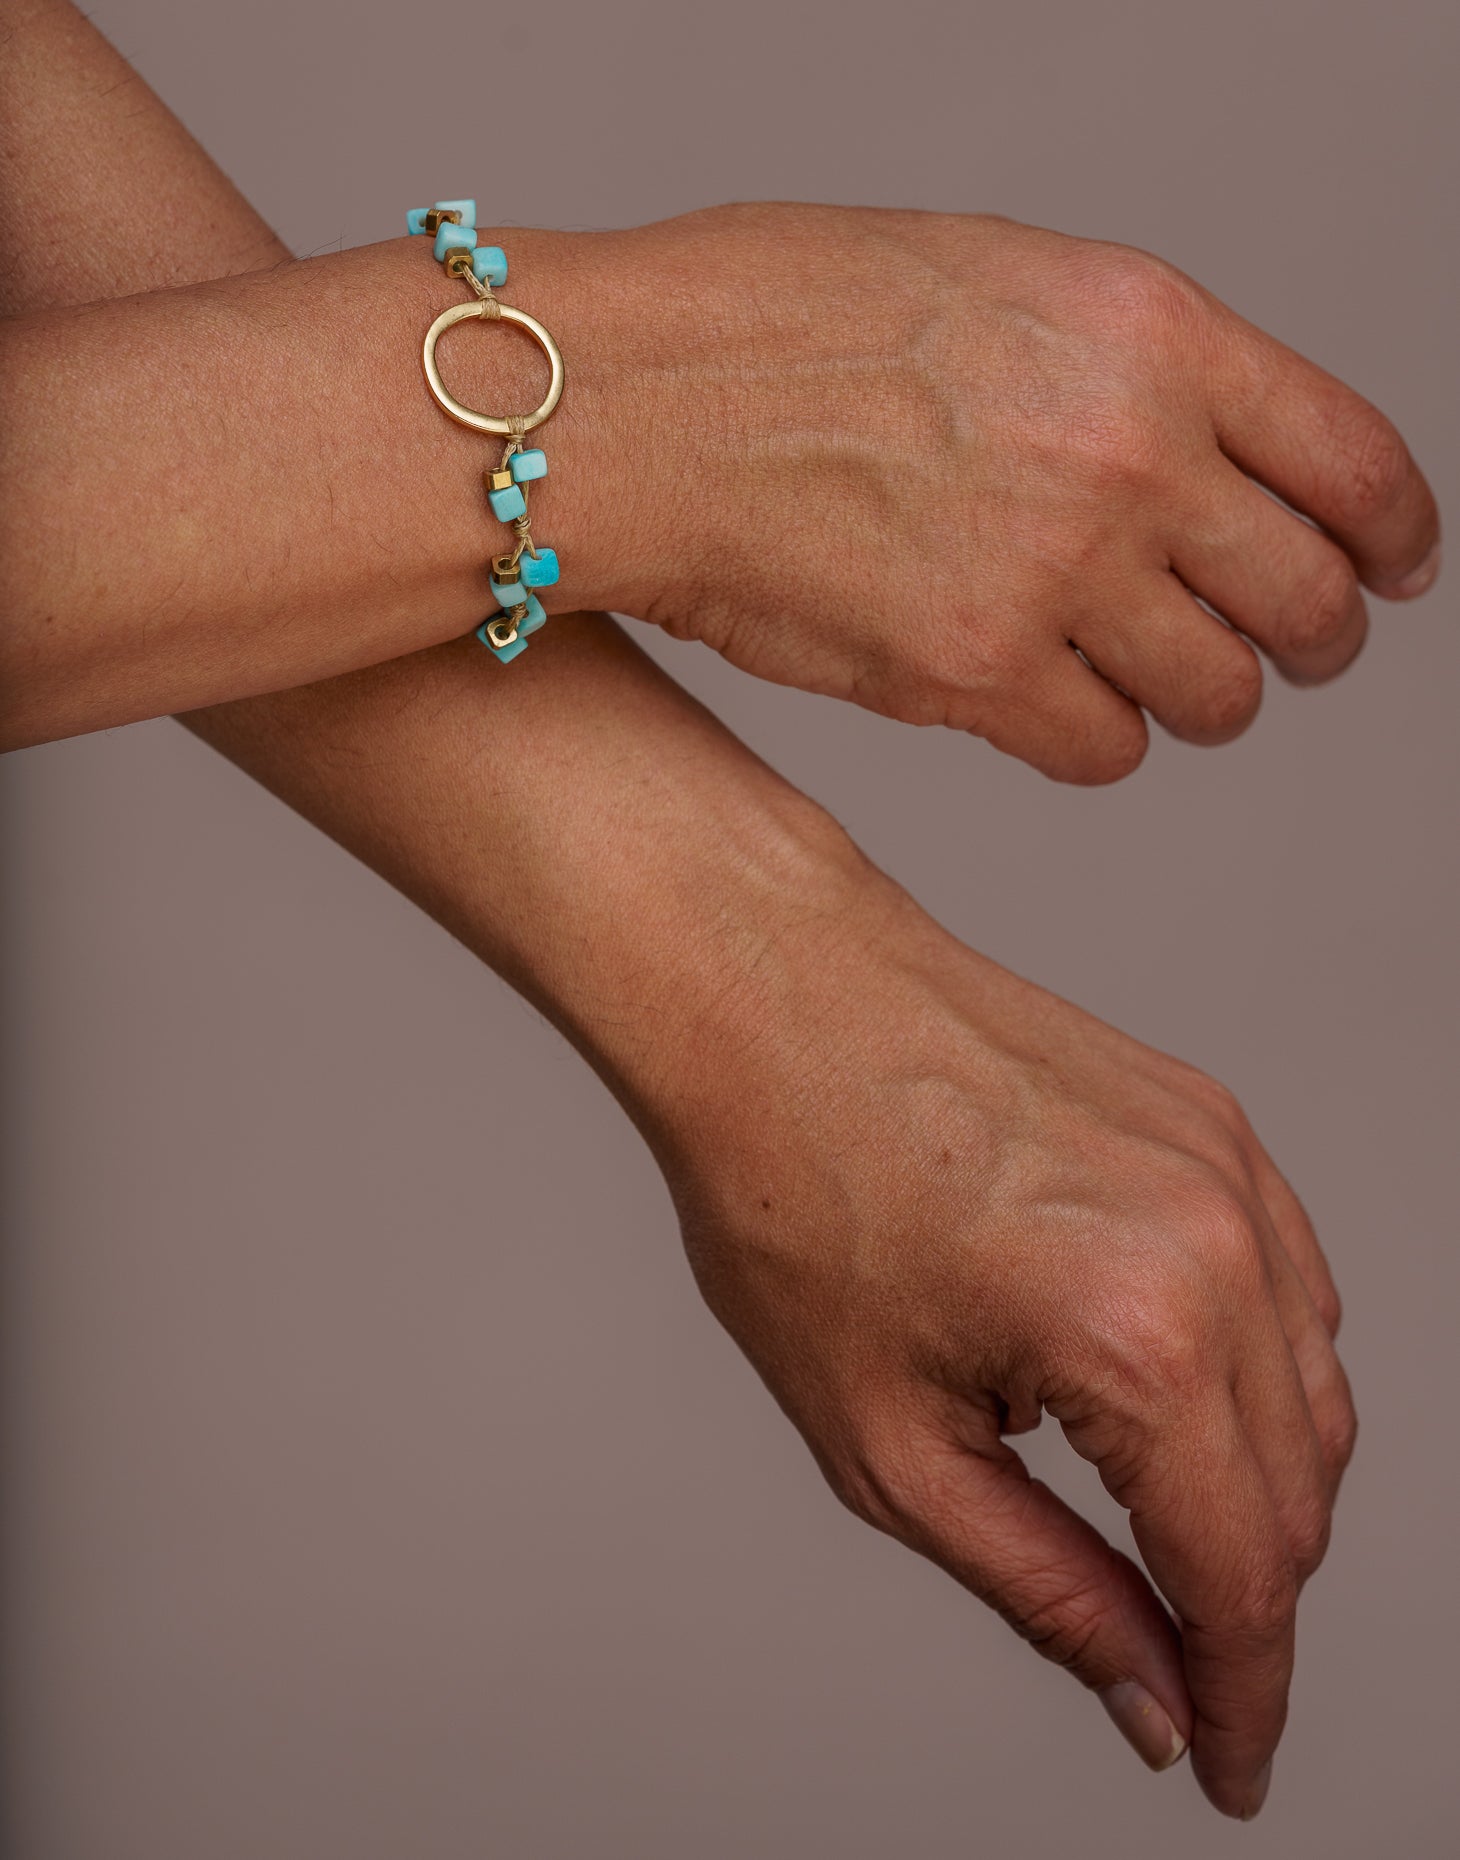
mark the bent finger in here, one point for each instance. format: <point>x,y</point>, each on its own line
<point>1331,454</point>
<point>1283,582</point>
<point>1326,1394</point>
<point>1283,1380</point>
<point>1196,677</point>
<point>1051,1575</point>
<point>1204,1521</point>
<point>1299,1238</point>
<point>1069,722</point>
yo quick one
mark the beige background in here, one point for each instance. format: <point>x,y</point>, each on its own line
<point>375,1483</point>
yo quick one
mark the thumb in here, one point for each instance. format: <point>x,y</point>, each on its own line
<point>1070,1594</point>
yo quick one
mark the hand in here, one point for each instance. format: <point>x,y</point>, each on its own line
<point>918,459</point>
<point>930,1201</point>
<point>912,459</point>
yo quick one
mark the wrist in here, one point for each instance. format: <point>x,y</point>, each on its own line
<point>593,834</point>
<point>687,1009</point>
<point>646,881</point>
<point>671,922</point>
<point>604,506</point>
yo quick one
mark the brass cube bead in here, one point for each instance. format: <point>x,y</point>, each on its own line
<point>435,219</point>
<point>458,262</point>
<point>498,480</point>
<point>505,571</point>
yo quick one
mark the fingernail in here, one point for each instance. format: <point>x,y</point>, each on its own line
<point>1143,1723</point>
<point>1257,1794</point>
<point>1419,579</point>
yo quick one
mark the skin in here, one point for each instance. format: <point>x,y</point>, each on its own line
<point>959,470</point>
<point>1051,1217</point>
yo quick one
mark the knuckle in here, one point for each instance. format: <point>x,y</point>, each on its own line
<point>1322,610</point>
<point>1144,294</point>
<point>1228,1144</point>
<point>1267,1601</point>
<point>1338,1432</point>
<point>1067,1625</point>
<point>1153,1345</point>
<point>1234,695</point>
<point>1309,1535</point>
<point>885,1476</point>
<point>1108,754</point>
<point>1328,1305</point>
<point>1204,1227</point>
<point>1221,1235</point>
<point>870,1493</point>
<point>1222,1104</point>
<point>1376,465</point>
<point>1179,1352</point>
<point>864,1496</point>
<point>1119,753</point>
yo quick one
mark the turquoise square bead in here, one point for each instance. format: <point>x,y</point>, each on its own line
<point>529,623</point>
<point>539,571</point>
<point>507,503</point>
<point>489,262</point>
<point>450,238</point>
<point>416,220</point>
<point>466,208</point>
<point>528,465</point>
<point>509,593</point>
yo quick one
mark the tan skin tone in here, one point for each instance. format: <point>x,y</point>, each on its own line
<point>930,1200</point>
<point>910,459</point>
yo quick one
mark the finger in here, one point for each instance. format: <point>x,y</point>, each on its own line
<point>1069,722</point>
<point>1195,676</point>
<point>1058,1583</point>
<point>1326,1394</point>
<point>1308,1305</point>
<point>1204,1521</point>
<point>1274,1400</point>
<point>1290,1220</point>
<point>1330,454</point>
<point>1284,583</point>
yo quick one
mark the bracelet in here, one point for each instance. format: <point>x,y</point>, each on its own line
<point>517,573</point>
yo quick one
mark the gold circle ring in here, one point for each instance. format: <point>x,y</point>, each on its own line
<point>486,422</point>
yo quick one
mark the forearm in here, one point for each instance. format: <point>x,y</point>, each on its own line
<point>596,837</point>
<point>235,486</point>
<point>578,821</point>
<point>226,487</point>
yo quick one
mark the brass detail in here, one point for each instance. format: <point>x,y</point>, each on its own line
<point>503,629</point>
<point>505,570</point>
<point>436,219</point>
<point>458,262</point>
<point>498,480</point>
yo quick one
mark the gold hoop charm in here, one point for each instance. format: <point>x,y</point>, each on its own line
<point>486,422</point>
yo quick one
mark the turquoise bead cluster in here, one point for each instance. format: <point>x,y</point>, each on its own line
<point>488,262</point>
<point>518,573</point>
